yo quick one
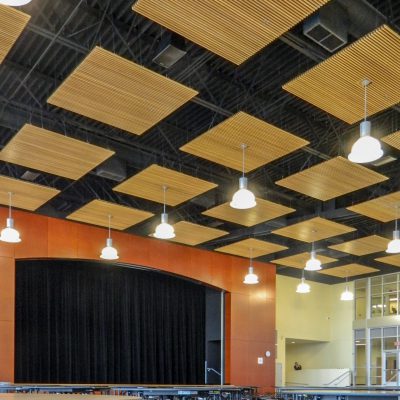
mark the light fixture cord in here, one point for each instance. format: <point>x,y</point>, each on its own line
<point>244,152</point>
<point>397,217</point>
<point>164,197</point>
<point>251,256</point>
<point>365,100</point>
<point>9,204</point>
<point>109,226</point>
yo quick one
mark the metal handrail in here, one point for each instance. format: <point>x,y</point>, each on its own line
<point>340,378</point>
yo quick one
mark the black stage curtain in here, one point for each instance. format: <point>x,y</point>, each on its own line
<point>86,322</point>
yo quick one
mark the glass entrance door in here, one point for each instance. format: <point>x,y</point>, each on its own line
<point>390,368</point>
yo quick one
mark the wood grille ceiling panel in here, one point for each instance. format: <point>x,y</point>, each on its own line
<point>12,23</point>
<point>382,208</point>
<point>194,234</point>
<point>313,229</point>
<point>393,259</point>
<point>335,86</point>
<point>53,153</point>
<point>118,92</point>
<point>25,195</point>
<point>361,247</point>
<point>234,30</point>
<point>148,184</point>
<point>393,140</point>
<point>299,260</point>
<point>332,178</point>
<point>258,248</point>
<point>222,144</point>
<point>265,210</point>
<point>348,270</point>
<point>97,211</point>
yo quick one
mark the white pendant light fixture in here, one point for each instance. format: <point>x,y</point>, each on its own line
<point>251,278</point>
<point>313,264</point>
<point>9,234</point>
<point>347,295</point>
<point>14,3</point>
<point>366,148</point>
<point>109,252</point>
<point>243,198</point>
<point>394,245</point>
<point>164,230</point>
<point>303,287</point>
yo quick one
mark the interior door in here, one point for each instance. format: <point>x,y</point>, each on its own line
<point>390,368</point>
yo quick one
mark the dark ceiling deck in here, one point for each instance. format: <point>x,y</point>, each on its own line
<point>61,33</point>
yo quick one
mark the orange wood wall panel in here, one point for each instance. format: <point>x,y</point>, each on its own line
<point>7,351</point>
<point>62,238</point>
<point>7,289</point>
<point>250,310</point>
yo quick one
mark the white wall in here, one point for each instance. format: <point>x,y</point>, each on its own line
<point>318,316</point>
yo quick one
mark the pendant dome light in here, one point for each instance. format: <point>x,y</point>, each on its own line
<point>313,264</point>
<point>243,198</point>
<point>347,295</point>
<point>394,245</point>
<point>14,3</point>
<point>303,287</point>
<point>9,234</point>
<point>251,278</point>
<point>164,230</point>
<point>109,252</point>
<point>366,148</point>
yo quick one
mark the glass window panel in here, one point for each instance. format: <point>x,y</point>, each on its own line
<point>359,334</point>
<point>376,353</point>
<point>376,333</point>
<point>374,377</point>
<point>389,343</point>
<point>376,306</point>
<point>390,332</point>
<point>377,280</point>
<point>390,304</point>
<point>361,308</point>
<point>376,290</point>
<point>360,356</point>
<point>390,278</point>
<point>361,292</point>
<point>390,287</point>
<point>360,283</point>
<point>361,376</point>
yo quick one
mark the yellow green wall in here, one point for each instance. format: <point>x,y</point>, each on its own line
<point>318,316</point>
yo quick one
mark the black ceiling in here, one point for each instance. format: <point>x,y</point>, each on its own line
<point>61,33</point>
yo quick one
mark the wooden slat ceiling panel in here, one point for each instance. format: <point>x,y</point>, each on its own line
<point>335,86</point>
<point>53,153</point>
<point>393,140</point>
<point>222,144</point>
<point>361,247</point>
<point>332,178</point>
<point>25,195</point>
<point>265,210</point>
<point>12,23</point>
<point>97,211</point>
<point>194,234</point>
<point>348,270</point>
<point>313,229</point>
<point>235,30</point>
<point>299,260</point>
<point>382,208</point>
<point>148,184</point>
<point>258,248</point>
<point>118,92</point>
<point>393,259</point>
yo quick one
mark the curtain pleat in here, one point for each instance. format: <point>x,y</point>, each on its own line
<point>87,322</point>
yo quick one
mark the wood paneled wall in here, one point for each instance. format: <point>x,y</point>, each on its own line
<point>250,311</point>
